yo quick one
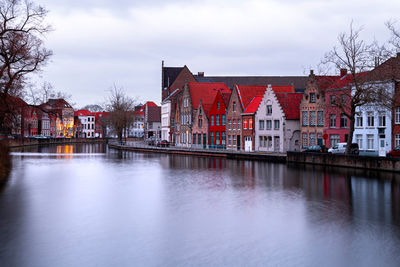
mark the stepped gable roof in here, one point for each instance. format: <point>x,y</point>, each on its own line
<point>154,114</point>
<point>205,92</point>
<point>299,82</point>
<point>83,112</point>
<point>290,104</point>
<point>248,92</point>
<point>169,75</point>
<point>253,106</point>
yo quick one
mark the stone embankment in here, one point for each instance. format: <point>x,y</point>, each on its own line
<point>222,153</point>
<point>5,162</point>
<point>12,143</point>
<point>323,159</point>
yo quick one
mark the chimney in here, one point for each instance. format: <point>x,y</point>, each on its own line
<point>200,74</point>
<point>343,72</point>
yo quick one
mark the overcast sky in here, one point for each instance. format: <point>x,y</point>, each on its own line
<point>98,43</point>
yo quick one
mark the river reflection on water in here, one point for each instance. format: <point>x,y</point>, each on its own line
<point>82,205</point>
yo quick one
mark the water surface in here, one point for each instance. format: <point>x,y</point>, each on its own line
<point>85,206</point>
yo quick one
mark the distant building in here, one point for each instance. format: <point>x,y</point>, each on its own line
<point>87,122</point>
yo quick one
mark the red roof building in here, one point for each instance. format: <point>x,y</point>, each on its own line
<point>277,126</point>
<point>192,94</point>
<point>217,119</point>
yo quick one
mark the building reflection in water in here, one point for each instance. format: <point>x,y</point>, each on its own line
<point>344,193</point>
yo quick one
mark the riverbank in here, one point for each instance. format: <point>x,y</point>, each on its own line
<point>14,143</point>
<point>333,160</point>
<point>229,154</point>
<point>5,162</point>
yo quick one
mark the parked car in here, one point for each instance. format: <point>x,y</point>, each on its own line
<point>340,148</point>
<point>316,149</point>
<point>395,152</point>
<point>151,141</point>
<point>163,143</point>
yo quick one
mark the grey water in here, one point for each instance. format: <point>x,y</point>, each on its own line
<point>85,205</point>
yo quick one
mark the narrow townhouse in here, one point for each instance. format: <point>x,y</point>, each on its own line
<point>277,121</point>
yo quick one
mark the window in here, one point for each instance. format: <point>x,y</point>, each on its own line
<point>381,119</point>
<point>217,138</point>
<point>343,121</point>
<point>234,107</point>
<point>199,139</point>
<point>370,119</point>
<point>370,141</point>
<point>194,138</point>
<point>212,120</point>
<point>261,123</point>
<point>234,125</point>
<point>223,118</point>
<point>229,140</point>
<point>312,118</point>
<point>359,140</point>
<point>229,124</point>
<point>312,139</point>
<point>332,120</point>
<point>312,97</point>
<point>200,122</point>
<point>217,120</point>
<point>218,105</point>
<point>343,98</point>
<point>269,124</point>
<point>250,124</point>
<point>334,139</point>
<point>244,124</point>
<point>223,138</point>
<point>304,116</point>
<point>397,115</point>
<point>212,138</point>
<point>269,109</point>
<point>359,120</point>
<point>276,124</point>
<point>332,100</point>
<point>397,140</point>
<point>305,139</point>
<point>238,124</point>
<point>320,118</point>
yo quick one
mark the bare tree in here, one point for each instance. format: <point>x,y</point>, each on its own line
<point>21,48</point>
<point>395,34</point>
<point>37,96</point>
<point>358,57</point>
<point>120,108</point>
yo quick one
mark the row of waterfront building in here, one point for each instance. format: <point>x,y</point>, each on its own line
<point>57,119</point>
<point>275,113</point>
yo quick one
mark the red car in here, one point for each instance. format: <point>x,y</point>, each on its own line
<point>395,152</point>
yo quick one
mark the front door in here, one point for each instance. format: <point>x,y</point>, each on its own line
<point>248,143</point>
<point>238,143</point>
<point>276,144</point>
<point>382,150</point>
<point>204,141</point>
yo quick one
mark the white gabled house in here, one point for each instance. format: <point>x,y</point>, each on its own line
<point>277,121</point>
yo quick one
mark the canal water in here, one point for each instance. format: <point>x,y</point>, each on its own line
<point>82,205</point>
